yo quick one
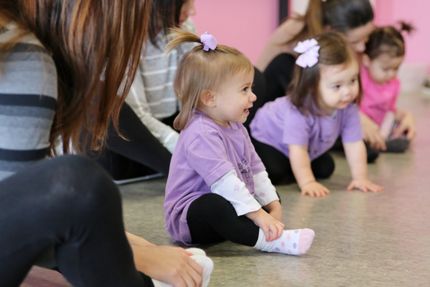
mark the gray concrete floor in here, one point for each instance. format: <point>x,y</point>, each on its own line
<point>362,239</point>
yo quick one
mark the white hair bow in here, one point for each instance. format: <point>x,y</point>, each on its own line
<point>309,53</point>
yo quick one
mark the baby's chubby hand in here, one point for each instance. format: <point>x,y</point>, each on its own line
<point>314,189</point>
<point>364,185</point>
<point>271,227</point>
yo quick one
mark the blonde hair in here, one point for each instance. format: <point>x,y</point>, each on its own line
<point>200,71</point>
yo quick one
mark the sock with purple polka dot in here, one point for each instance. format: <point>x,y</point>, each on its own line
<point>291,242</point>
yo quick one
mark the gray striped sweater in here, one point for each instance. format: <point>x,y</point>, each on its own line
<point>28,94</point>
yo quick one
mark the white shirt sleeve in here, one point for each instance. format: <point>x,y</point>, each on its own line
<point>136,99</point>
<point>234,190</point>
<point>265,192</point>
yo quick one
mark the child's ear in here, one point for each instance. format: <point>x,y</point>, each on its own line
<point>365,60</point>
<point>207,98</point>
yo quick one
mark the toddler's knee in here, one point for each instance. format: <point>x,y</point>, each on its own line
<point>325,170</point>
<point>278,175</point>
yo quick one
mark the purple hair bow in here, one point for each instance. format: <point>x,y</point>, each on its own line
<point>209,42</point>
<point>309,53</point>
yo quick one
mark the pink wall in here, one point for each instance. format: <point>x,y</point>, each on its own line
<point>244,24</point>
<point>416,12</point>
<point>247,24</point>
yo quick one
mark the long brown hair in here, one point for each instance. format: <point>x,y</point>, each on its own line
<point>96,46</point>
<point>340,15</point>
<point>201,70</point>
<point>304,88</point>
<point>164,16</point>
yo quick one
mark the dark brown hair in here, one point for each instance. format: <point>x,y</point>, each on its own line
<point>201,70</point>
<point>96,47</point>
<point>304,88</point>
<point>339,15</point>
<point>388,40</point>
<point>164,16</point>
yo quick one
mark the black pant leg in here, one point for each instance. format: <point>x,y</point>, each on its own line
<point>211,219</point>
<point>139,148</point>
<point>372,154</point>
<point>259,89</point>
<point>323,166</point>
<point>278,75</point>
<point>277,164</point>
<point>71,205</point>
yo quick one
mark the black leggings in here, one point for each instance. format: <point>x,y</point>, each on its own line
<point>137,155</point>
<point>372,154</point>
<point>71,205</point>
<point>211,219</point>
<point>279,168</point>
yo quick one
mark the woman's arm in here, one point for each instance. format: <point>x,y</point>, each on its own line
<point>136,99</point>
<point>277,43</point>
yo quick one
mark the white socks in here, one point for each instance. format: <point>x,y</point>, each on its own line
<point>292,242</point>
<point>205,262</point>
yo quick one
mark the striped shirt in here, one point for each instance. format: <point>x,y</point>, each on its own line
<point>28,93</point>
<point>152,96</point>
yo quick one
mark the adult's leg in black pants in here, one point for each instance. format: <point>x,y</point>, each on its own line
<point>70,204</point>
<point>278,75</point>
<point>272,83</point>
<point>259,89</point>
<point>211,219</point>
<point>140,146</point>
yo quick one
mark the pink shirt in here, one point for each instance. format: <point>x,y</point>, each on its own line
<point>378,99</point>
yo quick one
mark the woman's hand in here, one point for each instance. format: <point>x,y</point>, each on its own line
<point>172,265</point>
<point>168,264</point>
<point>314,189</point>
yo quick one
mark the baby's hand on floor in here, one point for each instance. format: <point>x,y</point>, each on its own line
<point>364,185</point>
<point>314,189</point>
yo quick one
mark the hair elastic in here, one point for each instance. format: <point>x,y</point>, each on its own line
<point>309,53</point>
<point>209,42</point>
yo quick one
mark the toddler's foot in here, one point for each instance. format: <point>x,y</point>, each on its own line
<point>292,242</point>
